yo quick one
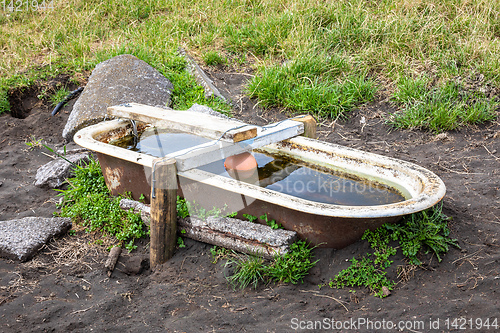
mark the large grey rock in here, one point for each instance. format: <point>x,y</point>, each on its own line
<point>121,79</point>
<point>20,239</point>
<point>54,173</point>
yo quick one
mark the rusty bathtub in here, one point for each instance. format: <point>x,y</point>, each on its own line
<point>326,225</point>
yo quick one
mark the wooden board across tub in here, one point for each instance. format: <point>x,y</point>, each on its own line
<point>230,137</point>
<point>197,123</point>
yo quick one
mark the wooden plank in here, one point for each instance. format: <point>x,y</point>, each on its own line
<point>241,134</point>
<point>197,123</point>
<point>309,125</point>
<point>163,226</point>
<point>213,151</point>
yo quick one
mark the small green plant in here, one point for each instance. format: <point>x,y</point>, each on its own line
<point>426,230</point>
<point>34,142</point>
<point>180,242</point>
<point>233,214</point>
<point>87,201</point>
<point>250,218</point>
<point>218,253</point>
<point>186,208</point>
<point>59,96</point>
<point>363,273</point>
<point>213,58</point>
<point>63,155</point>
<point>293,266</point>
<point>379,242</point>
<point>182,208</point>
<point>271,223</point>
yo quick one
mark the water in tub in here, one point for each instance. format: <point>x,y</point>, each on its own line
<point>275,172</point>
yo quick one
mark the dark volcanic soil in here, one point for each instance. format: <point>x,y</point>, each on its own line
<point>64,288</point>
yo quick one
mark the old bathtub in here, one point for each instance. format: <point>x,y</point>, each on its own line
<point>326,225</point>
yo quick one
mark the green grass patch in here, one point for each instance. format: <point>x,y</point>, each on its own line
<point>440,108</point>
<point>312,85</point>
<point>441,39</point>
<point>213,58</point>
<point>249,270</point>
<point>426,231</point>
<point>59,96</point>
<point>87,201</point>
<point>4,101</point>
<point>291,267</point>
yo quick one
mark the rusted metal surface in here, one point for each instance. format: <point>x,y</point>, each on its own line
<point>318,229</point>
<point>324,231</point>
<point>124,176</point>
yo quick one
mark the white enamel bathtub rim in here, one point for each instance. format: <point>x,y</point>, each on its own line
<point>425,188</point>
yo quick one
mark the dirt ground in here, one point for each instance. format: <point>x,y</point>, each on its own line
<point>64,288</point>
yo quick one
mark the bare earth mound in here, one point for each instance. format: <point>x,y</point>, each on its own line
<point>64,288</point>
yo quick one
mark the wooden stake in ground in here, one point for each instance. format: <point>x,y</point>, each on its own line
<point>163,211</point>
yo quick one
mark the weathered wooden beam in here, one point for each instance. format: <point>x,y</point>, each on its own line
<point>309,126</point>
<point>230,233</point>
<point>230,137</point>
<point>210,152</point>
<point>202,124</point>
<point>163,228</point>
<point>238,235</point>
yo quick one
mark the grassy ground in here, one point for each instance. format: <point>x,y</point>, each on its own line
<point>320,57</point>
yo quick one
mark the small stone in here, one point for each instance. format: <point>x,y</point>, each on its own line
<point>386,291</point>
<point>54,173</point>
<point>136,265</point>
<point>442,137</point>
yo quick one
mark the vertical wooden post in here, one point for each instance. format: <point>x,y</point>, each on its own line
<point>309,126</point>
<point>163,211</point>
